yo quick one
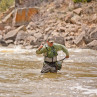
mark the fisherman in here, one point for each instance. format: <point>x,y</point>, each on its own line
<point>49,50</point>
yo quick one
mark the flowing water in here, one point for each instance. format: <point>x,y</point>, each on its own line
<point>20,74</point>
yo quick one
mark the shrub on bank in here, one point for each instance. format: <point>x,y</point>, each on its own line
<point>75,1</point>
<point>5,4</point>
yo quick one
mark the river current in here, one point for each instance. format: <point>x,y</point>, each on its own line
<point>20,74</point>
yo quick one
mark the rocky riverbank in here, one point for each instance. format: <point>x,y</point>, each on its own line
<point>73,25</point>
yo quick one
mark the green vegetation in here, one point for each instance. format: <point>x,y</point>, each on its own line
<point>76,1</point>
<point>5,4</point>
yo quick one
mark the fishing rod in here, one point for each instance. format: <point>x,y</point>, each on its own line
<point>62,59</point>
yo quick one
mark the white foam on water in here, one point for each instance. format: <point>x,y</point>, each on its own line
<point>85,90</point>
<point>16,49</point>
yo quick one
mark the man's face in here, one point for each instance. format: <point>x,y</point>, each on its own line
<point>50,43</point>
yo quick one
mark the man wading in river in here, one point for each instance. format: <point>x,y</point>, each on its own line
<point>50,56</point>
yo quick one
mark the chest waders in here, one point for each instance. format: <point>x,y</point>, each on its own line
<point>53,60</point>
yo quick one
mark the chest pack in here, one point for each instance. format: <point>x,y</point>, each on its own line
<point>51,54</point>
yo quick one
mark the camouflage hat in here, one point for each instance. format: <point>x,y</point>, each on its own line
<point>50,39</point>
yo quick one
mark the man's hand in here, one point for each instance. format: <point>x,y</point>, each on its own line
<point>41,46</point>
<point>67,57</point>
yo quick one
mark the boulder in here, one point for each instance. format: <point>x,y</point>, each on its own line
<point>8,18</point>
<point>94,18</point>
<point>68,16</point>
<point>1,26</point>
<point>7,28</point>
<point>78,11</point>
<point>26,3</point>
<point>12,34</point>
<point>55,33</point>
<point>3,43</point>
<point>62,29</point>
<point>9,41</point>
<point>79,39</point>
<point>0,37</point>
<point>92,45</point>
<point>58,39</point>
<point>30,40</point>
<point>21,36</point>
<point>38,41</point>
<point>75,19</point>
<point>69,38</point>
<point>93,34</point>
<point>37,35</point>
<point>24,15</point>
<point>47,29</point>
<point>88,33</point>
<point>11,45</point>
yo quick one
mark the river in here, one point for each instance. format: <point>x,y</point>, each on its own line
<point>20,74</point>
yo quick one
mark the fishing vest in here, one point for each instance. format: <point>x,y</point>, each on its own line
<point>50,55</point>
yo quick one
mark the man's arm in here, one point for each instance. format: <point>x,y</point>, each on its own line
<point>64,49</point>
<point>41,50</point>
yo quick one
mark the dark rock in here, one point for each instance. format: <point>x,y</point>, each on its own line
<point>69,38</point>
<point>3,43</point>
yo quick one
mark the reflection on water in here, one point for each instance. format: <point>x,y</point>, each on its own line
<point>20,75</point>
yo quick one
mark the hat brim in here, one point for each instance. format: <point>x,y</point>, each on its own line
<point>51,41</point>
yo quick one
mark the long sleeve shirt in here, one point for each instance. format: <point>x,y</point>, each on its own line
<point>48,50</point>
